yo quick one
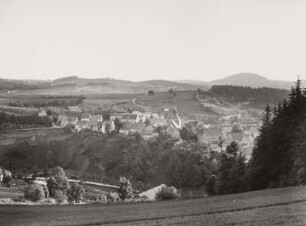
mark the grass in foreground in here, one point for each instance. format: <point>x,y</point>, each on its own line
<point>269,207</point>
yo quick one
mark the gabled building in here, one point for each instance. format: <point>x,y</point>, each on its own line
<point>81,125</point>
<point>173,131</point>
<point>72,120</point>
<point>74,109</point>
<point>107,125</point>
<point>96,118</point>
<point>130,118</point>
<point>63,121</point>
<point>86,116</point>
<point>157,122</point>
<point>93,125</point>
<point>137,127</point>
<point>113,116</point>
<point>125,129</point>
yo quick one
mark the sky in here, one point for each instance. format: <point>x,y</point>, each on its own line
<point>152,39</point>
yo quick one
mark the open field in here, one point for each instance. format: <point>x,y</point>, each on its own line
<point>285,206</point>
<point>184,101</point>
<point>18,110</point>
<point>10,192</point>
<point>9,137</point>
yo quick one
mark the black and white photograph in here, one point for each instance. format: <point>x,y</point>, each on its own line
<point>153,112</point>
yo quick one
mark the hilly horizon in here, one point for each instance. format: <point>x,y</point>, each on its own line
<point>246,79</point>
<point>117,85</point>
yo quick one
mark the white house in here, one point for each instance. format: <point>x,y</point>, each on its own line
<point>105,124</point>
<point>64,121</point>
<point>80,125</point>
<point>96,118</point>
<point>86,116</point>
<point>151,193</point>
<point>42,113</point>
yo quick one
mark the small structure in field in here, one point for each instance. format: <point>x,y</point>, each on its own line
<point>151,193</point>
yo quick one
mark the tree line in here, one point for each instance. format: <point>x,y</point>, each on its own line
<point>7,120</point>
<point>279,158</point>
<point>49,101</point>
<point>255,96</point>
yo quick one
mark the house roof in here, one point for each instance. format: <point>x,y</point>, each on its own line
<point>137,113</point>
<point>137,127</point>
<point>237,136</point>
<point>71,118</point>
<point>126,126</point>
<point>212,131</point>
<point>82,123</point>
<point>86,115</point>
<point>96,117</point>
<point>129,117</point>
<point>148,129</point>
<point>93,123</point>
<point>74,108</point>
<point>157,121</point>
<point>116,114</point>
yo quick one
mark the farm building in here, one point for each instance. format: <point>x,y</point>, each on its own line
<point>151,193</point>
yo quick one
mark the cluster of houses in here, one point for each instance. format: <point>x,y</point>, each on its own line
<point>149,124</point>
<point>144,123</point>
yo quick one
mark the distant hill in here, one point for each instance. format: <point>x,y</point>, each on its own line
<point>244,79</point>
<point>74,85</point>
<point>252,80</point>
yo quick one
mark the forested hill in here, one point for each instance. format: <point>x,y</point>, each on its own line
<point>238,94</point>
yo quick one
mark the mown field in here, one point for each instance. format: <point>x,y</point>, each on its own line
<point>285,206</point>
<point>184,101</point>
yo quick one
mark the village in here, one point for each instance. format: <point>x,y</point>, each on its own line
<point>149,124</point>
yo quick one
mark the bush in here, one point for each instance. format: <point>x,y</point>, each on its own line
<point>167,193</point>
<point>125,188</point>
<point>60,197</point>
<point>57,181</point>
<point>76,193</point>
<point>7,180</point>
<point>211,185</point>
<point>34,193</point>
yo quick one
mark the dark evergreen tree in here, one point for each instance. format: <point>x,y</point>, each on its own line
<point>278,157</point>
<point>232,171</point>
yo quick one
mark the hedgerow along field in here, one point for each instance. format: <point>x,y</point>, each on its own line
<point>285,206</point>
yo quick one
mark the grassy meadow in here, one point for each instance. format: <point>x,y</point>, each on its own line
<point>285,206</point>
